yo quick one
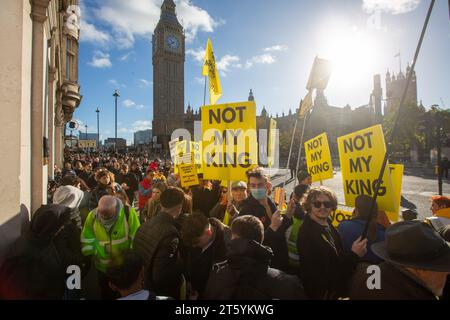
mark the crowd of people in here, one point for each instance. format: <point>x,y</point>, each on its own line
<point>126,219</point>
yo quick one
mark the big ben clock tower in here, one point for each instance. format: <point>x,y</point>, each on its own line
<point>168,74</point>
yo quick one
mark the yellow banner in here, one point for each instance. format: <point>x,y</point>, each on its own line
<point>188,175</point>
<point>396,171</point>
<point>361,155</point>
<point>210,70</point>
<point>318,158</point>
<point>340,215</point>
<point>271,144</point>
<point>306,104</point>
<point>230,146</point>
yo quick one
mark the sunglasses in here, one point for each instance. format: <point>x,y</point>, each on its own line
<point>326,204</point>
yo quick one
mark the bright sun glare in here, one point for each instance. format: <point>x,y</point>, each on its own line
<point>352,53</point>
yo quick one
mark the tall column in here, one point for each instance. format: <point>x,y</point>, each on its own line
<point>51,109</point>
<point>39,16</point>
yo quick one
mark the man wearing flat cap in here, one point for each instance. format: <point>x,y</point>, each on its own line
<point>417,263</point>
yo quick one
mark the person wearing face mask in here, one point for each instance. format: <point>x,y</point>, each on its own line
<point>258,203</point>
<point>108,231</point>
<point>157,242</point>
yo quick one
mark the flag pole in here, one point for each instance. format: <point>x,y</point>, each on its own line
<point>397,118</point>
<point>290,149</point>
<point>300,148</point>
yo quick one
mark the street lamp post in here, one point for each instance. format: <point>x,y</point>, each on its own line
<point>98,129</point>
<point>439,159</point>
<point>85,138</point>
<point>116,95</point>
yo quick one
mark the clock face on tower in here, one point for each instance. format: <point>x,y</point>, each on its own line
<point>172,42</point>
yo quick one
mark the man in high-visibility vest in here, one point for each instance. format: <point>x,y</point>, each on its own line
<point>108,231</point>
<point>296,213</point>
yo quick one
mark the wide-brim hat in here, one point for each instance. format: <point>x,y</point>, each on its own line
<point>416,245</point>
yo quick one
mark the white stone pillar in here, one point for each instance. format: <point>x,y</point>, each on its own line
<point>39,16</point>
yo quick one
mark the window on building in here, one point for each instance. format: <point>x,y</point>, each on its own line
<point>71,52</point>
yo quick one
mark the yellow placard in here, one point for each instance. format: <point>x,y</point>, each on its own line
<point>361,155</point>
<point>318,158</point>
<point>271,144</point>
<point>87,144</point>
<point>230,146</point>
<point>396,172</point>
<point>340,215</point>
<point>188,175</point>
<point>196,149</point>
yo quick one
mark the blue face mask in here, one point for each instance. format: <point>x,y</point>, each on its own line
<point>259,194</point>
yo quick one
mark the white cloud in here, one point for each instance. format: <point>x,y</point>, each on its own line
<point>200,80</point>
<point>132,18</point>
<point>124,130</point>
<point>197,54</point>
<point>126,56</point>
<point>390,6</point>
<point>100,60</point>
<point>128,103</point>
<point>89,33</point>
<point>227,62</point>
<point>145,83</point>
<point>194,19</point>
<point>116,84</point>
<point>140,107</point>
<point>276,48</point>
<point>141,125</point>
<point>262,59</point>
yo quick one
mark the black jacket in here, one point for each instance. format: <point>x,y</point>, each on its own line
<point>252,207</point>
<point>132,182</point>
<point>204,200</point>
<point>157,242</point>
<point>35,267</point>
<point>325,271</point>
<point>246,275</point>
<point>199,264</point>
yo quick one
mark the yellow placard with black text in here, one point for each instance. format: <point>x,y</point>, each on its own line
<point>361,155</point>
<point>229,140</point>
<point>318,158</point>
<point>188,175</point>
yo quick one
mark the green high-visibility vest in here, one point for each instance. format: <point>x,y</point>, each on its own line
<point>292,242</point>
<point>103,245</point>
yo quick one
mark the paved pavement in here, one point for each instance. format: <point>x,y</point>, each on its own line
<point>416,189</point>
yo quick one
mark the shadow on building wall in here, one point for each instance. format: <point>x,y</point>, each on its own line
<point>12,229</point>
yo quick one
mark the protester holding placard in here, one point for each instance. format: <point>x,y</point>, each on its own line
<point>350,230</point>
<point>325,268</point>
<point>260,205</point>
<point>296,214</point>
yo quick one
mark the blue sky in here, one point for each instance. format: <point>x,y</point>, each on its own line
<point>265,45</point>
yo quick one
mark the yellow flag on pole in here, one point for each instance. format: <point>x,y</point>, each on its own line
<point>210,70</point>
<point>306,104</point>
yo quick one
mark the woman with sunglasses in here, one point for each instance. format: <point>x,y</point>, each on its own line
<point>325,268</point>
